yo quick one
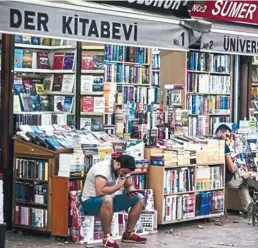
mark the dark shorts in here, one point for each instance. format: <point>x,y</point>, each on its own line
<point>121,202</point>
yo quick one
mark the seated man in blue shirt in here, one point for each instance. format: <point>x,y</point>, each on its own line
<point>233,178</point>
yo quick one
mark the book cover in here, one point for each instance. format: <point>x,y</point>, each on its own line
<point>26,103</point>
<point>99,104</point>
<point>98,62</point>
<point>68,83</point>
<point>29,86</point>
<point>68,104</point>
<point>18,39</point>
<point>59,103</point>
<point>68,61</point>
<point>87,104</point>
<point>48,81</point>
<point>56,42</point>
<point>43,60</point>
<point>39,89</point>
<point>45,41</point>
<point>58,61</point>
<point>18,58</point>
<point>35,40</point>
<point>35,103</point>
<point>18,87</point>
<point>96,124</point>
<point>26,39</point>
<point>85,123</point>
<point>86,83</point>
<point>87,61</point>
<point>57,84</point>
<point>27,59</point>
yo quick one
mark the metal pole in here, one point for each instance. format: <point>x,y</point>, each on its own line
<point>236,85</point>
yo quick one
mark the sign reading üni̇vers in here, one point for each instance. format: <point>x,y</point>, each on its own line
<point>16,17</point>
<point>229,43</point>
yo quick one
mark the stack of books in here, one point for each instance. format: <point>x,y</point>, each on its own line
<point>1,201</point>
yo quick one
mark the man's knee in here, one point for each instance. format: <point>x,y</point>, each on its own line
<point>108,201</point>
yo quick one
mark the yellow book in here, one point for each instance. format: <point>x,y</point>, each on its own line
<point>39,89</point>
<point>46,171</point>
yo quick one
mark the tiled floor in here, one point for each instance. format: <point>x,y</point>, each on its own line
<point>234,232</point>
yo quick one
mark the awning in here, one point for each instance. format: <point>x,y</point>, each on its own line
<point>92,22</point>
<point>238,39</point>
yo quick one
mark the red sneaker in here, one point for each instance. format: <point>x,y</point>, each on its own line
<point>133,238</point>
<point>109,243</point>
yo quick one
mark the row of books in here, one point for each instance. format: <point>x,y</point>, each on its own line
<point>204,62</point>
<point>31,193</point>
<point>126,54</point>
<point>132,74</point>
<point>198,105</point>
<point>93,104</point>
<point>76,184</point>
<point>204,83</point>
<point>38,86</point>
<point>44,119</point>
<point>178,180</point>
<point>32,169</point>
<point>137,94</point>
<point>92,61</point>
<point>93,124</point>
<point>34,40</point>
<point>178,207</point>
<point>25,58</point>
<point>207,178</point>
<point>209,202</point>
<point>91,84</point>
<point>182,207</point>
<point>33,217</point>
<point>28,103</point>
<point>155,81</point>
<point>139,181</point>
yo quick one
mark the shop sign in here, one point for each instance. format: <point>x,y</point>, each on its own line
<point>167,7</point>
<point>16,17</point>
<point>228,11</point>
<point>229,43</point>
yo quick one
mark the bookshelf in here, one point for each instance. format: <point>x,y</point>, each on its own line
<point>45,81</point>
<point>188,191</point>
<point>208,91</point>
<point>33,169</point>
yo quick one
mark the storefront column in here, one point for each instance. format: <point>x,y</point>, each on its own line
<point>6,120</point>
<point>245,87</point>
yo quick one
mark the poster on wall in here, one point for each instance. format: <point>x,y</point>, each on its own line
<point>229,43</point>
<point>53,21</point>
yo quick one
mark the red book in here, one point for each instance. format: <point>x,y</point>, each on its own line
<point>58,61</point>
<point>87,62</point>
<point>88,104</point>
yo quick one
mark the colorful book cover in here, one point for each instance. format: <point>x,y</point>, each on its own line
<point>68,61</point>
<point>87,62</point>
<point>18,39</point>
<point>26,39</point>
<point>35,40</point>
<point>18,87</point>
<point>27,59</point>
<point>59,103</point>
<point>58,81</point>
<point>98,62</point>
<point>48,81</point>
<point>45,41</point>
<point>68,104</point>
<point>35,103</point>
<point>39,89</point>
<point>29,86</point>
<point>87,104</point>
<point>58,61</point>
<point>96,124</point>
<point>56,42</point>
<point>43,60</point>
<point>18,58</point>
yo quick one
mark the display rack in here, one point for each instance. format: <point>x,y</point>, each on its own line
<point>33,169</point>
<point>181,191</point>
<point>45,82</point>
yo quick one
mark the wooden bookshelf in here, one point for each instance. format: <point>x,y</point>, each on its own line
<point>157,184</point>
<point>25,151</point>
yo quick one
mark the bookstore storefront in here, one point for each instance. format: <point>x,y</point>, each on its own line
<point>132,76</point>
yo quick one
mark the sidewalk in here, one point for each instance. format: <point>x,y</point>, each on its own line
<point>234,232</point>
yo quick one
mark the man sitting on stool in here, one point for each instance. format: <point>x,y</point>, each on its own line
<point>102,181</point>
<point>235,179</point>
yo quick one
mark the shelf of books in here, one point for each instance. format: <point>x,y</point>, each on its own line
<point>186,185</point>
<point>44,85</point>
<point>208,91</point>
<point>121,94</point>
<point>33,168</point>
<point>254,89</point>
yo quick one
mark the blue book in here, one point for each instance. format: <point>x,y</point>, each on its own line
<point>18,57</point>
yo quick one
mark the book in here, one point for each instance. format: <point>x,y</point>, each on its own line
<point>27,59</point>
<point>69,61</point>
